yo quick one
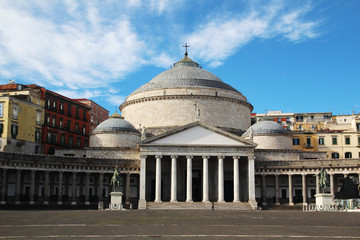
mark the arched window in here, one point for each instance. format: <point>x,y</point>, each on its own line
<point>334,155</point>
<point>348,155</point>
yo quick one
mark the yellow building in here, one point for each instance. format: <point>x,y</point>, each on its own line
<point>305,141</point>
<point>21,119</point>
<point>311,121</point>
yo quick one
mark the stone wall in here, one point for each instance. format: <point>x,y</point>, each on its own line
<point>116,139</point>
<point>169,112</point>
<point>273,142</point>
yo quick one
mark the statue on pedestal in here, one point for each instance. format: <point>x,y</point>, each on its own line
<point>115,180</point>
<point>323,179</point>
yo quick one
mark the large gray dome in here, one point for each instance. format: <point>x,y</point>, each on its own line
<point>185,73</point>
<point>115,123</point>
<point>266,128</point>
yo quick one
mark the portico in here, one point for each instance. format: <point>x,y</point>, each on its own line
<point>197,163</point>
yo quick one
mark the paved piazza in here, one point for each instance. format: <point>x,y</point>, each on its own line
<point>161,224</point>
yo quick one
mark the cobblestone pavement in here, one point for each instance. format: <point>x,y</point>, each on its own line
<point>177,224</point>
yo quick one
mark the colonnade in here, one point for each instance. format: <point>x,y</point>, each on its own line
<point>67,180</point>
<point>205,178</point>
<point>333,185</point>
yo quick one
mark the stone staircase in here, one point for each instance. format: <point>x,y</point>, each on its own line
<point>243,206</point>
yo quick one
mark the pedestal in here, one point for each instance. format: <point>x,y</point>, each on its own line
<point>324,201</point>
<point>116,201</point>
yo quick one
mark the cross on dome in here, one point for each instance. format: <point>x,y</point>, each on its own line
<point>186,47</point>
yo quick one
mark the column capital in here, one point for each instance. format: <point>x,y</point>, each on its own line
<point>221,157</point>
<point>158,156</point>
<point>143,156</point>
<point>189,157</point>
<point>174,156</point>
<point>236,157</point>
<point>205,157</point>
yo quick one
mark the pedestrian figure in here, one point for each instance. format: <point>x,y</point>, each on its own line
<point>212,206</point>
<point>259,205</point>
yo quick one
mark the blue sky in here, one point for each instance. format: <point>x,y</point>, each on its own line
<point>294,56</point>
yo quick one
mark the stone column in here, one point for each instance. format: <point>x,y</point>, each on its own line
<point>87,189</point>
<point>205,179</point>
<point>73,189</point>
<point>221,179</point>
<point>304,193</point>
<point>101,186</point>
<point>332,185</point>
<point>60,188</point>
<point>251,181</point>
<point>263,188</point>
<point>3,187</point>
<point>18,187</point>
<point>142,185</point>
<point>32,187</point>
<point>346,175</point>
<point>127,194</point>
<point>173,197</point>
<point>277,190</point>
<point>158,179</point>
<point>46,188</point>
<point>291,201</point>
<point>236,179</point>
<point>317,183</point>
<point>189,179</point>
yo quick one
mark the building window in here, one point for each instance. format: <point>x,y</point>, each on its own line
<point>60,123</point>
<point>300,127</point>
<point>54,121</point>
<point>84,130</point>
<point>78,143</point>
<point>61,106</point>
<point>14,131</point>
<point>334,141</point>
<point>84,115</point>
<point>62,140</point>
<point>38,117</point>
<point>334,155</point>
<point>48,137</point>
<point>37,136</point>
<point>15,111</point>
<point>54,138</point>
<point>54,106</point>
<point>296,141</point>
<point>321,141</point>
<point>71,141</point>
<point>69,110</point>
<point>48,104</point>
<point>68,125</point>
<point>77,113</point>
<point>308,142</point>
<point>1,128</point>
<point>347,140</point>
<point>299,118</point>
<point>359,141</point>
<point>1,109</point>
<point>76,127</point>
<point>86,144</point>
<point>348,155</point>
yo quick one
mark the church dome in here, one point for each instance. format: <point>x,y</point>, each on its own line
<point>184,94</point>
<point>266,127</point>
<point>115,132</point>
<point>115,123</point>
<point>185,73</point>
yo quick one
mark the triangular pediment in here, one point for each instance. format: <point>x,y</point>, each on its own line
<point>197,134</point>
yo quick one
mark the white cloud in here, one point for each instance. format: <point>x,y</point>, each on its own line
<point>75,54</point>
<point>116,100</point>
<point>221,37</point>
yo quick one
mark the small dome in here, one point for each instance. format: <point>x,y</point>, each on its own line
<point>266,128</point>
<point>115,123</point>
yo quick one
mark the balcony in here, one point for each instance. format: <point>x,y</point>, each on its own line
<point>308,146</point>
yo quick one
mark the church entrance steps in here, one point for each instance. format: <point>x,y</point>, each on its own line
<point>200,205</point>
